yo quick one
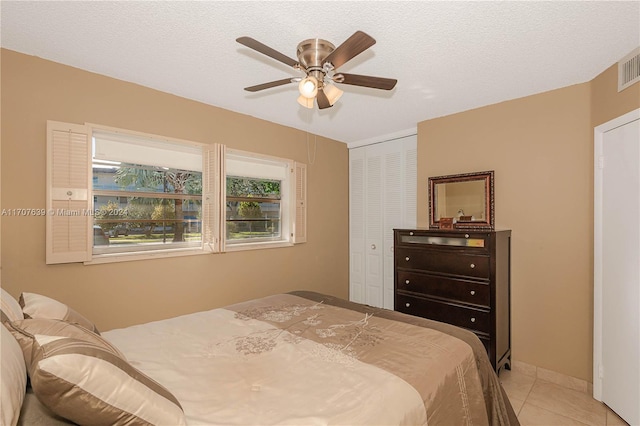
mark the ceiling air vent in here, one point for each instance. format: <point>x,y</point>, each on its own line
<point>629,70</point>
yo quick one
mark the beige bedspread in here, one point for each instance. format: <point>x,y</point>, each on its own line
<point>310,359</point>
<point>498,407</point>
<point>298,359</point>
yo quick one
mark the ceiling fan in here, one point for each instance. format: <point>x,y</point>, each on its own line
<point>319,60</point>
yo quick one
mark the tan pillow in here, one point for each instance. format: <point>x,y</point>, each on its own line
<point>9,308</point>
<point>13,375</point>
<point>25,330</point>
<point>87,382</point>
<point>39,306</point>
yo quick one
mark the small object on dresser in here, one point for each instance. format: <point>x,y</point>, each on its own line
<point>446,223</point>
<point>465,218</point>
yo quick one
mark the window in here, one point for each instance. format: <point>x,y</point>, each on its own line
<point>115,195</point>
<point>147,193</point>
<point>258,199</point>
<point>146,208</point>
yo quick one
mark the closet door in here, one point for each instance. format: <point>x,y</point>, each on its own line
<point>356,224</point>
<point>382,197</point>
<point>399,206</point>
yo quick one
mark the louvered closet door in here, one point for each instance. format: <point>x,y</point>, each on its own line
<point>382,197</point>
<point>356,224</point>
<point>399,207</point>
<point>374,206</point>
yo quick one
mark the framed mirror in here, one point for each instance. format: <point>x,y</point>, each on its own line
<point>463,201</point>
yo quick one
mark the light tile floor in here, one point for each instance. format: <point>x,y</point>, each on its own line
<point>537,401</point>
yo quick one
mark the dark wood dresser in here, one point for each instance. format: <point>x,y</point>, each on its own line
<point>461,278</point>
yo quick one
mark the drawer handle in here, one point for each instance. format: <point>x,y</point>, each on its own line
<point>410,233</point>
<point>466,235</point>
<point>406,258</point>
<point>473,319</point>
<point>373,246</point>
<point>473,265</point>
<point>407,304</point>
<point>473,292</point>
<point>406,281</point>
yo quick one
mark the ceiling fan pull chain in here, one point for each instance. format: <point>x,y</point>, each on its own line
<point>315,141</point>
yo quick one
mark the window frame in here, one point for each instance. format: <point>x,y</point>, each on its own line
<point>293,206</point>
<point>129,136</point>
<point>287,192</point>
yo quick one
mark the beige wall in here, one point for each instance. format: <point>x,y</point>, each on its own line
<point>541,148</point>
<point>607,102</point>
<point>116,295</point>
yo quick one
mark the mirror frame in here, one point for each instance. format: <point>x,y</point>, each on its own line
<point>486,177</point>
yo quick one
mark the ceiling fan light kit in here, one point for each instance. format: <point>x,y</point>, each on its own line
<point>319,59</point>
<point>308,87</point>
<point>305,102</point>
<point>333,93</point>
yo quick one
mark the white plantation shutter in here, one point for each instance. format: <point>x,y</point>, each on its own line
<point>300,218</point>
<point>69,236</point>
<point>213,197</point>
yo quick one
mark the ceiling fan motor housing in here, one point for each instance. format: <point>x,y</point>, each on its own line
<point>312,52</point>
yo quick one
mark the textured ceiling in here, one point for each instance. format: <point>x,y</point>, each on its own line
<point>447,56</point>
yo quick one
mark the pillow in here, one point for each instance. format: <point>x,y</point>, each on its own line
<point>38,306</point>
<point>13,374</point>
<point>88,382</point>
<point>25,330</point>
<point>9,307</point>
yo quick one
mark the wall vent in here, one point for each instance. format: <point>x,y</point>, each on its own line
<point>629,70</point>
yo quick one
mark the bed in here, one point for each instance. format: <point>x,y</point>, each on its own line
<point>300,358</point>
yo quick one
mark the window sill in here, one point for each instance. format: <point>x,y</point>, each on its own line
<point>257,246</point>
<point>159,254</point>
<point>98,259</point>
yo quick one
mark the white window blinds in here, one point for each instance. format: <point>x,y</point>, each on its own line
<point>261,168</point>
<point>147,151</point>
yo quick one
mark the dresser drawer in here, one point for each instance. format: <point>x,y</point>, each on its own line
<point>449,288</point>
<point>469,265</point>
<point>461,316</point>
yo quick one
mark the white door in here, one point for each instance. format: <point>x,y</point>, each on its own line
<point>399,211</point>
<point>617,262</point>
<point>373,228</point>
<point>382,196</point>
<point>356,225</point>
<point>365,226</point>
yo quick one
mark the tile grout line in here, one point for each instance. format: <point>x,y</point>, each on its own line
<point>527,397</point>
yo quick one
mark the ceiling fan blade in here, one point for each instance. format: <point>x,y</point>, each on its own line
<point>323,101</point>
<point>268,85</point>
<point>352,47</point>
<point>266,50</point>
<point>368,81</point>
